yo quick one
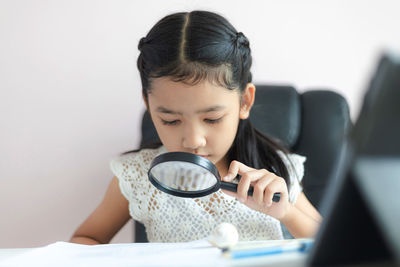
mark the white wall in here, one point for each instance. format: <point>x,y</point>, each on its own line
<point>70,92</point>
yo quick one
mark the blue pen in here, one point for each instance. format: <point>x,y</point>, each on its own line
<point>238,253</point>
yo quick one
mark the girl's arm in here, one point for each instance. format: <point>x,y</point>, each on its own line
<point>106,220</point>
<point>302,219</point>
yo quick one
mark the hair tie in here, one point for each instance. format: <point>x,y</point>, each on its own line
<point>241,39</point>
<point>142,42</point>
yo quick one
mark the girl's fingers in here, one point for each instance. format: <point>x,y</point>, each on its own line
<point>235,168</point>
<point>259,189</point>
<point>276,185</point>
<point>250,177</point>
<point>265,183</point>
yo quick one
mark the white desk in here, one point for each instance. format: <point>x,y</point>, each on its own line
<point>9,252</point>
<point>138,254</point>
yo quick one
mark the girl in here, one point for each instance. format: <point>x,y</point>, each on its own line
<point>196,81</point>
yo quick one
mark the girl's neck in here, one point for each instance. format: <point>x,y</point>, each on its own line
<point>222,167</point>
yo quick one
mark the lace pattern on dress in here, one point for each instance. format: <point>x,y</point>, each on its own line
<point>173,219</point>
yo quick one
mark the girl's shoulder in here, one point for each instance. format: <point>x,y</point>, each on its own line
<point>295,166</point>
<point>294,162</point>
<point>136,160</point>
<point>131,172</point>
<point>293,159</point>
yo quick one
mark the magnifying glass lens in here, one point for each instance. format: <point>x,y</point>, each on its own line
<point>183,176</point>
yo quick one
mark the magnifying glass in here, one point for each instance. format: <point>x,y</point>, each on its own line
<point>188,175</point>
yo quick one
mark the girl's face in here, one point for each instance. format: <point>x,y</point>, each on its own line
<point>200,119</point>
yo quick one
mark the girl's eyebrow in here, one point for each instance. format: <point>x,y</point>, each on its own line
<point>162,109</point>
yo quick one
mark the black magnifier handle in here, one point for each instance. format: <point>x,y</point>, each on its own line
<point>233,188</point>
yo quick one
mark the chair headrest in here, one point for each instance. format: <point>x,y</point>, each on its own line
<point>277,112</point>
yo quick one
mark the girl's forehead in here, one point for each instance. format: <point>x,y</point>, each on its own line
<point>171,94</point>
<point>165,85</point>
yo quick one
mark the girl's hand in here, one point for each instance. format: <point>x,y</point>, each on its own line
<point>265,184</point>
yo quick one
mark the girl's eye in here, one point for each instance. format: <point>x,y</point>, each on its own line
<point>174,122</point>
<point>213,121</point>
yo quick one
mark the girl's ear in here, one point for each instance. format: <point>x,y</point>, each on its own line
<point>247,101</point>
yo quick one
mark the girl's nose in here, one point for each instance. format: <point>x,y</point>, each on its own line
<point>193,138</point>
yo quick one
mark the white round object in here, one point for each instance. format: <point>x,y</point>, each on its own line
<point>224,235</point>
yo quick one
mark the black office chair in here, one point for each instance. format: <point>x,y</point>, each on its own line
<point>312,124</point>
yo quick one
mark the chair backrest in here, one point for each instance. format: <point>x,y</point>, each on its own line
<point>311,124</point>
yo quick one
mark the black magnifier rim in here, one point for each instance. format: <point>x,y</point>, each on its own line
<point>190,158</point>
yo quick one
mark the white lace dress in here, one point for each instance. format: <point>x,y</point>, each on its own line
<point>173,219</point>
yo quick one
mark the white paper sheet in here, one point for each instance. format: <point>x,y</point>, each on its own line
<point>60,254</point>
